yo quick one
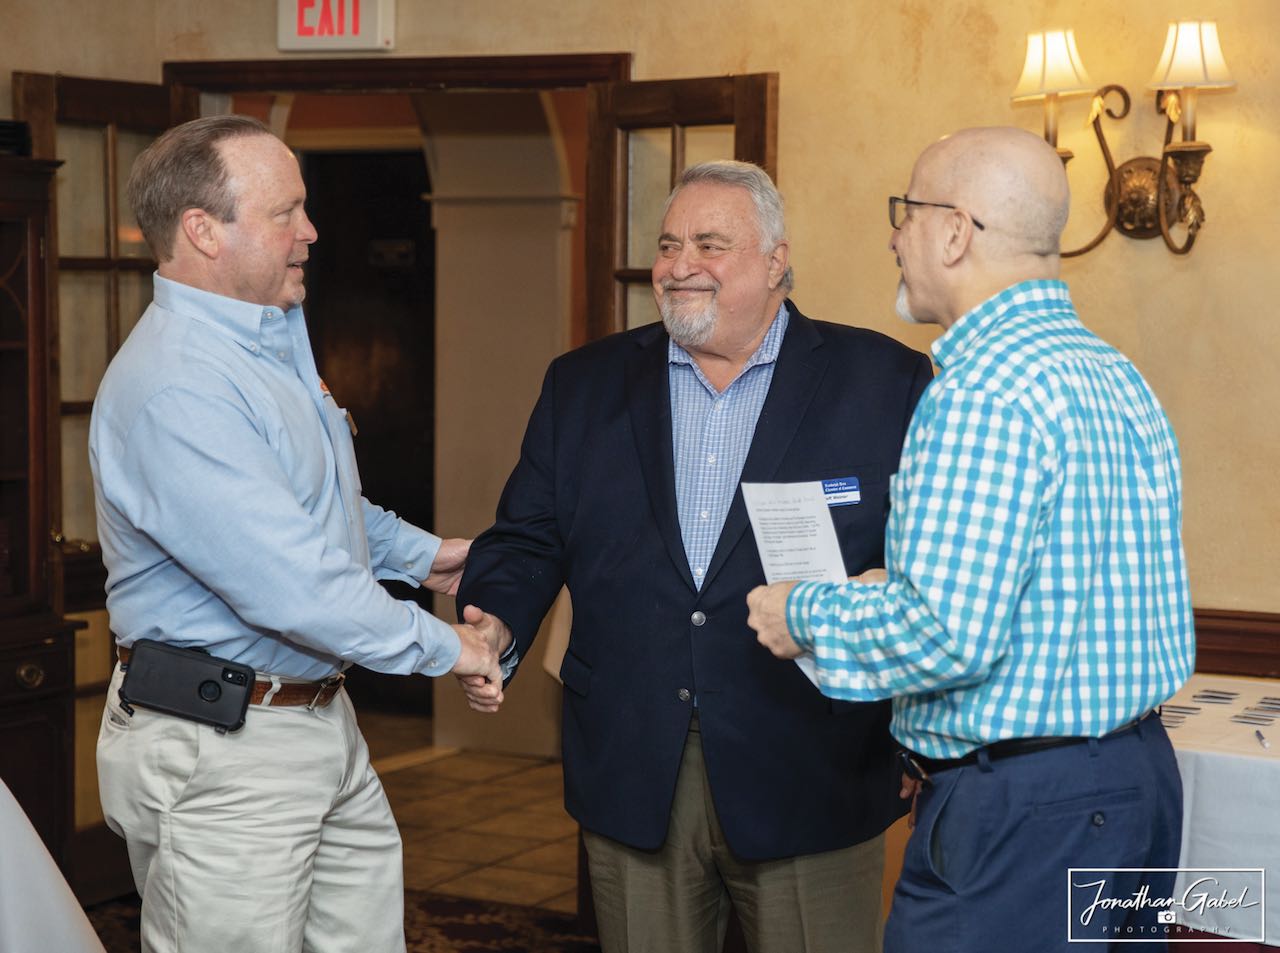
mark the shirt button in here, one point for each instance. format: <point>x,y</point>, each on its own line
<point>683,695</point>
<point>705,514</point>
<point>1099,818</point>
<point>253,348</point>
<point>711,458</point>
<point>432,663</point>
<point>280,354</point>
<point>698,618</point>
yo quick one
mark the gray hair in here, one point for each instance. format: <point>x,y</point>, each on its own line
<point>182,170</point>
<point>764,196</point>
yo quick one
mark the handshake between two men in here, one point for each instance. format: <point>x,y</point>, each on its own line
<point>482,637</point>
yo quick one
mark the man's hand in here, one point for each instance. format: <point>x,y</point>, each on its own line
<point>478,670</point>
<point>870,577</point>
<point>493,629</point>
<point>446,569</point>
<point>910,790</point>
<point>484,692</point>
<point>768,616</point>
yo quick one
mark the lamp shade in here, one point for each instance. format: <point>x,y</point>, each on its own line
<point>1192,58</point>
<point>1053,66</point>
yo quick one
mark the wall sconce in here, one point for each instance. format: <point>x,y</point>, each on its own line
<point>1143,196</point>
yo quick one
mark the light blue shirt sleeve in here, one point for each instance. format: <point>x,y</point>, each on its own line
<point>222,507</point>
<point>398,550</point>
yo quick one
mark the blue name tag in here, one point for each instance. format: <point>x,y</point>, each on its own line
<point>842,491</point>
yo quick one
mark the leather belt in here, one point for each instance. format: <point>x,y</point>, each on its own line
<point>920,768</point>
<point>311,694</point>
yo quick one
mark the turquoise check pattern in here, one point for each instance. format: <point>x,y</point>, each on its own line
<point>1037,583</point>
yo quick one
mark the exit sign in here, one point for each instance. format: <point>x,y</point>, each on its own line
<point>336,24</point>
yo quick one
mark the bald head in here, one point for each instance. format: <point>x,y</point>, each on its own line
<point>1011,179</point>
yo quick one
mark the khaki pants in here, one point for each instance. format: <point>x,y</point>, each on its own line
<point>276,838</point>
<point>677,899</point>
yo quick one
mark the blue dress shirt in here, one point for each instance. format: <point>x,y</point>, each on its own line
<point>229,505</point>
<point>711,434</point>
<point>1037,583</point>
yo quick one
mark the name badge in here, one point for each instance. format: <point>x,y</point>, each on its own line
<point>842,491</point>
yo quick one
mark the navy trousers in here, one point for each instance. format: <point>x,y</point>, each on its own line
<point>986,867</point>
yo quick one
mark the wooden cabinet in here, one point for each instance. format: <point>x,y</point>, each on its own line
<point>36,646</point>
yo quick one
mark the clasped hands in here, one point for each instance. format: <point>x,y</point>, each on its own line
<point>483,638</point>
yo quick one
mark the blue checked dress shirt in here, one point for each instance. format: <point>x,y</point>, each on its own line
<point>1037,584</point>
<point>229,506</point>
<point>711,434</point>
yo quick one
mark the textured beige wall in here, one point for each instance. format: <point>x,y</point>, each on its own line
<point>865,84</point>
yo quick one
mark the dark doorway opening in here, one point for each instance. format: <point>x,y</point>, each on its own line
<point>371,317</point>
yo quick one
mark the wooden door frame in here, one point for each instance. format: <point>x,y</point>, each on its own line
<point>188,79</point>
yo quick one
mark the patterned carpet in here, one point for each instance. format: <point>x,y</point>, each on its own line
<point>434,923</point>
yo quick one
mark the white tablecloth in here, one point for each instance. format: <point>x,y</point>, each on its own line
<point>38,911</point>
<point>1231,795</point>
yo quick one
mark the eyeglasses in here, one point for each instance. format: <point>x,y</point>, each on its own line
<point>898,210</point>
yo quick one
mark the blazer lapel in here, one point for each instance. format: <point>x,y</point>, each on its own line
<point>649,399</point>
<point>801,364</point>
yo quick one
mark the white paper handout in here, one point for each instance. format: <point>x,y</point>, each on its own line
<point>796,538</point>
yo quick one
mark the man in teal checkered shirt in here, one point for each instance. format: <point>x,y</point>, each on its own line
<point>1035,608</point>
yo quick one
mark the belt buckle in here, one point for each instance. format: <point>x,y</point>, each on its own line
<point>325,685</point>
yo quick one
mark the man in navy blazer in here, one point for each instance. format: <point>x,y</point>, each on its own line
<point>705,772</point>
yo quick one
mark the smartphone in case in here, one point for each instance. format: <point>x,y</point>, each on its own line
<point>187,683</point>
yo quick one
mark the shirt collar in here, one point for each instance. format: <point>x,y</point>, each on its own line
<point>766,353</point>
<point>964,335</point>
<point>242,319</point>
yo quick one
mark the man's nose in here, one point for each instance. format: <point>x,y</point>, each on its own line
<point>685,263</point>
<point>307,232</point>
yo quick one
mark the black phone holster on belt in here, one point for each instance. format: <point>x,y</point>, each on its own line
<point>187,683</point>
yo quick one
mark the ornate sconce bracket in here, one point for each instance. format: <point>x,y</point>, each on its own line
<point>1146,197</point>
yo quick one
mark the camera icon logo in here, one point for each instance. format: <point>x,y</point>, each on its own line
<point>1165,916</point>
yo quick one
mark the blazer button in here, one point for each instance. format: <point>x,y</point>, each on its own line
<point>683,694</point>
<point>698,618</point>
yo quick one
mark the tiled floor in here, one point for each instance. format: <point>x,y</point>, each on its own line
<point>484,826</point>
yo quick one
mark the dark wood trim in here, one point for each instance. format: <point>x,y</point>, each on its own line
<point>633,276</point>
<point>368,75</point>
<point>35,97</point>
<point>1231,642</point>
<point>755,125</point>
<point>74,408</point>
<point>140,106</point>
<point>84,577</point>
<point>605,150</point>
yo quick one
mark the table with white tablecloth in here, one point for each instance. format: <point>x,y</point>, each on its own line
<point>38,911</point>
<point>1227,740</point>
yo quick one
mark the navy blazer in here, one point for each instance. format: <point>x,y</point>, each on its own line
<point>591,505</point>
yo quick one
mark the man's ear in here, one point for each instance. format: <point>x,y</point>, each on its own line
<point>202,231</point>
<point>779,258</point>
<point>956,235</point>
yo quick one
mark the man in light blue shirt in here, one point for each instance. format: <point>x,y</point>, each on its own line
<point>1036,606</point>
<point>231,521</point>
